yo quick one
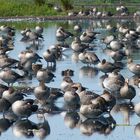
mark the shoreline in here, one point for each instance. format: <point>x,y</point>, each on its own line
<point>45,18</point>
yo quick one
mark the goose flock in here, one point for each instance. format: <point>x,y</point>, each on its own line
<point>83,107</point>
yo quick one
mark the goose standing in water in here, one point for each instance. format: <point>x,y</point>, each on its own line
<point>89,58</point>
<point>77,46</point>
<point>39,30</point>
<point>62,34</point>
<point>49,57</point>
<point>42,92</point>
<point>9,76</point>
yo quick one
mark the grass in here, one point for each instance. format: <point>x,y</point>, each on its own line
<point>17,8</point>
<point>30,8</point>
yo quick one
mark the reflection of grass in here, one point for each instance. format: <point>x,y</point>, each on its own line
<point>32,24</point>
<point>124,125</point>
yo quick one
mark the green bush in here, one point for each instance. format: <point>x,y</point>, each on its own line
<point>66,4</point>
<point>39,2</point>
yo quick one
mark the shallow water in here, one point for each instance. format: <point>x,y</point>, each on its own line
<point>88,76</point>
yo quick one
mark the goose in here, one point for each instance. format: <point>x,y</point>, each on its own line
<point>33,37</point>
<point>36,67</point>
<point>67,72</point>
<point>71,97</point>
<point>42,92</point>
<point>77,28</point>
<point>88,58</point>
<point>105,66</point>
<point>114,82</point>
<point>62,34</point>
<point>115,45</point>
<point>39,29</point>
<point>49,57</point>
<point>6,61</point>
<point>24,108</point>
<point>44,75</point>
<point>109,98</point>
<point>12,95</point>
<point>117,55</point>
<point>77,46</point>
<point>91,110</point>
<point>66,83</point>
<point>4,105</point>
<point>87,38</point>
<point>9,76</point>
<point>127,91</point>
<point>85,95</point>
<point>6,29</point>
<point>137,109</point>
<point>134,68</point>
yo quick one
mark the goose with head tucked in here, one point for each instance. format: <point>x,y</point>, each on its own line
<point>12,95</point>
<point>134,68</point>
<point>24,108</point>
<point>9,76</point>
<point>66,83</point>
<point>49,57</point>
<point>77,28</point>
<point>105,66</point>
<point>39,29</point>
<point>85,95</point>
<point>114,82</point>
<point>89,58</point>
<point>127,91</point>
<point>71,97</point>
<point>87,38</point>
<point>95,109</point>
<point>116,45</point>
<point>109,98</point>
<point>44,75</point>
<point>77,46</point>
<point>62,34</point>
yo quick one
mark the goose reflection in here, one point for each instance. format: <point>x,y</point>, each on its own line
<point>74,57</point>
<point>137,130</point>
<point>71,119</point>
<point>21,128</point>
<point>4,124</point>
<point>88,71</point>
<point>101,125</point>
<point>51,108</point>
<point>42,130</point>
<point>134,80</point>
<point>127,110</point>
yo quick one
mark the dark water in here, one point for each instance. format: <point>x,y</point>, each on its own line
<point>60,128</point>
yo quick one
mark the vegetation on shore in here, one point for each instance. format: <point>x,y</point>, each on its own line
<point>46,7</point>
